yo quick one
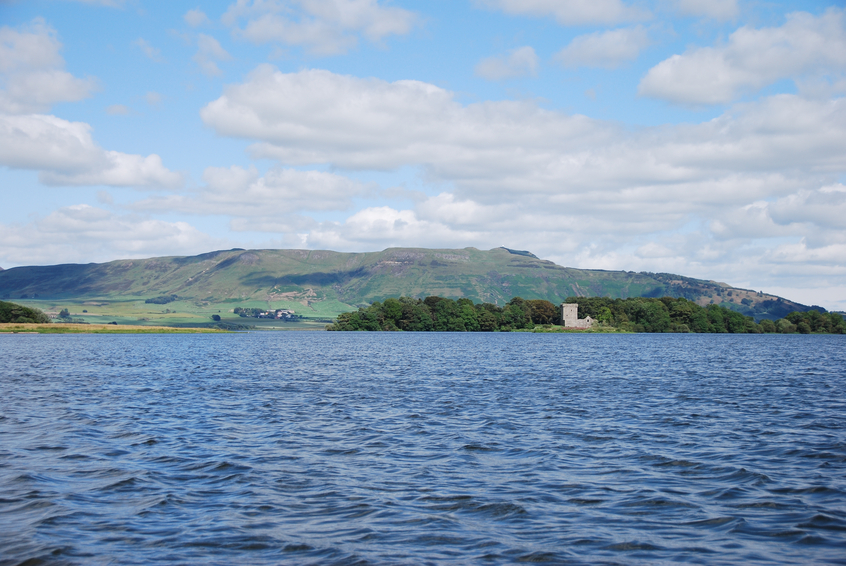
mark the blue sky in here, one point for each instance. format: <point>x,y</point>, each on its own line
<point>699,137</point>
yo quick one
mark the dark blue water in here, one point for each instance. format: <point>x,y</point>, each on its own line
<point>374,448</point>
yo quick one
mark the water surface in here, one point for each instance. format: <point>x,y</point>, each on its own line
<point>378,448</point>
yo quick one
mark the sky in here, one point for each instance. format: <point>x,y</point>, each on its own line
<point>705,138</point>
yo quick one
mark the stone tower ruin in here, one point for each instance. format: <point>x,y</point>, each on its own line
<point>570,317</point>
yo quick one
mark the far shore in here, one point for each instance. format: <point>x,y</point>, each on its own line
<point>53,328</point>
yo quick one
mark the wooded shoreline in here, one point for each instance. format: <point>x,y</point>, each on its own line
<point>667,314</point>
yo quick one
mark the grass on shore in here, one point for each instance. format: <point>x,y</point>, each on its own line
<point>554,329</point>
<point>53,328</point>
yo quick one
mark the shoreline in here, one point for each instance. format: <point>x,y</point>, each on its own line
<point>53,328</point>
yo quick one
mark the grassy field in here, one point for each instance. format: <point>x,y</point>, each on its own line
<point>179,314</point>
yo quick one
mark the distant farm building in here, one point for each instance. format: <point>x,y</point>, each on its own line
<point>570,317</point>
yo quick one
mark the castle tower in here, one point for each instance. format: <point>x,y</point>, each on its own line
<point>569,315</point>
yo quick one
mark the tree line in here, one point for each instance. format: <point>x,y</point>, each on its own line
<point>440,314</point>
<point>638,314</point>
<point>162,300</point>
<point>682,315</point>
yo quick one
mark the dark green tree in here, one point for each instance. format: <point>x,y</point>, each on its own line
<point>19,314</point>
<point>469,317</point>
<point>487,321</point>
<point>420,319</point>
<point>392,310</point>
<point>543,312</point>
<point>447,316</point>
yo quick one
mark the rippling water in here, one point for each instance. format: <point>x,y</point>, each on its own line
<point>375,448</point>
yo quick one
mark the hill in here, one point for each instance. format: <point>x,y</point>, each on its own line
<point>326,283</point>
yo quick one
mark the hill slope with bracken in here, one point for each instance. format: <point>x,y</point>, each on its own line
<point>341,281</point>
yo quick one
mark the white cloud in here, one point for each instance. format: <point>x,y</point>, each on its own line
<point>570,12</point>
<point>607,49</point>
<point>244,193</point>
<point>151,52</point>
<point>824,207</point>
<point>814,219</point>
<point>324,27</point>
<point>804,46</point>
<point>833,255</point>
<point>520,62</point>
<point>751,221</point>
<point>119,170</point>
<point>35,46</point>
<point>65,154</point>
<point>714,9</point>
<point>82,233</point>
<point>196,18</point>
<point>39,90</point>
<point>31,75</point>
<point>383,226</point>
<point>153,98</point>
<point>316,116</point>
<point>209,52</point>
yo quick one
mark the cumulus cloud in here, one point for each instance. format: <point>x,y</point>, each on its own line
<point>520,62</point>
<point>714,9</point>
<point>315,116</point>
<point>196,18</point>
<point>244,193</point>
<point>751,59</point>
<point>83,233</point>
<point>209,52</point>
<point>607,49</point>
<point>570,12</point>
<point>31,74</point>
<point>824,207</point>
<point>35,45</point>
<point>39,90</point>
<point>119,170</point>
<point>801,253</point>
<point>324,27</point>
<point>383,226</point>
<point>65,154</point>
<point>815,218</point>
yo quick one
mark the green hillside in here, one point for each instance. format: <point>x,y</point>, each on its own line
<point>322,284</point>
